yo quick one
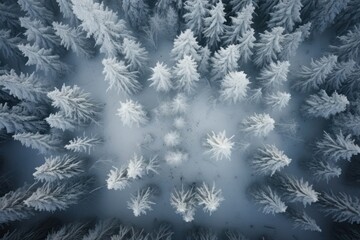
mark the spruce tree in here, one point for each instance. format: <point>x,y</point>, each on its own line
<point>246,45</point>
<point>225,60</point>
<point>290,45</point>
<point>36,10</point>
<point>161,78</point>
<point>349,46</point>
<point>278,100</point>
<point>268,200</point>
<point>185,44</point>
<point>274,75</point>
<point>9,15</point>
<point>348,122</point>
<point>196,11</point>
<point>83,144</point>
<point>324,171</point>
<point>209,198</point>
<point>340,74</point>
<point>132,113</point>
<point>44,143</point>
<point>60,121</point>
<point>285,14</point>
<point>186,74</point>
<point>259,125</point>
<point>234,87</point>
<point>65,7</point>
<point>136,12</point>
<point>134,54</point>
<point>214,24</point>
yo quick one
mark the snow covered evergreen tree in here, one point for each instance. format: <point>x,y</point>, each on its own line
<point>184,202</point>
<point>44,143</point>
<point>240,24</point>
<point>219,146</point>
<point>349,46</point>
<point>172,139</point>
<point>186,74</point>
<point>141,202</point>
<point>324,171</point>
<point>185,44</point>
<point>337,147</point>
<point>274,75</point>
<point>176,157</point>
<point>339,74</point>
<point>348,123</point>
<point>315,75</point>
<point>135,55</point>
<point>136,12</point>
<point>120,77</point>
<point>341,207</point>
<point>68,231</point>
<point>278,100</point>
<point>74,39</point>
<point>268,200</point>
<point>75,103</point>
<point>136,167</point>
<point>290,45</point>
<point>59,168</point>
<point>161,77</point>
<point>269,159</point>
<point>83,144</point>
<point>8,45</point>
<point>208,197</point>
<point>225,60</point>
<point>60,121</point>
<point>269,45</point>
<point>196,11</point>
<point>259,125</point>
<point>246,45</point>
<point>234,87</point>
<point>303,221</point>
<point>117,179</point>
<point>305,30</point>
<point>43,59</point>
<point>214,24</point>
<point>36,10</point>
<point>103,229</point>
<point>323,105</point>
<point>132,113</point>
<point>65,7</point>
<point>286,13</point>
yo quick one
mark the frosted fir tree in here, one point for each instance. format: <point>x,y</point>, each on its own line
<point>176,157</point>
<point>246,45</point>
<point>305,30</point>
<point>315,75</point>
<point>341,207</point>
<point>341,72</point>
<point>75,103</point>
<point>161,78</point>
<point>43,59</point>
<point>349,46</point>
<point>8,45</point>
<point>65,7</point>
<point>83,144</point>
<point>240,24</point>
<point>117,179</point>
<point>186,74</point>
<point>185,44</point>
<point>324,171</point>
<point>209,198</point>
<point>40,34</point>
<point>219,146</point>
<point>196,11</point>
<point>285,14</point>
<point>9,15</point>
<point>74,39</point>
<point>234,87</point>
<point>44,143</point>
<point>296,190</point>
<point>132,113</point>
<point>204,61</point>
<point>348,122</point>
<point>278,100</point>
<point>120,77</point>
<point>163,232</point>
<point>12,207</point>
<point>24,86</point>
<point>60,121</point>
<point>303,221</point>
<point>36,10</point>
<point>290,45</point>
<point>59,168</point>
<point>57,195</point>
<point>268,200</point>
<point>123,232</point>
<point>179,104</point>
<point>69,231</point>
<point>184,202</point>
<point>135,55</point>
<point>323,105</point>
<point>225,60</point>
<point>269,159</point>
<point>136,167</point>
<point>136,12</point>
<point>259,125</point>
<point>269,45</point>
<point>102,229</point>
<point>274,75</point>
<point>141,202</point>
<point>337,147</point>
<point>172,139</point>
<point>214,24</point>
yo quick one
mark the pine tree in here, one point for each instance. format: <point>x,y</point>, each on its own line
<point>24,86</point>
<point>141,203</point>
<point>234,87</point>
<point>225,60</point>
<point>83,144</point>
<point>269,159</point>
<point>103,229</point>
<point>135,55</point>
<point>161,77</point>
<point>120,77</point>
<point>9,15</point>
<point>185,44</point>
<point>60,121</point>
<point>179,104</point>
<point>340,73</point>
<point>196,11</point>
<point>172,139</point>
<point>74,39</point>
<point>324,171</point>
<point>43,59</point>
<point>348,122</point>
<point>349,46</point>
<point>44,143</point>
<point>240,24</point>
<point>208,197</point>
<point>219,146</point>
<point>274,75</point>
<point>303,221</point>
<point>176,157</point>
<point>186,74</point>
<point>278,100</point>
<point>290,45</point>
<point>136,12</point>
<point>259,125</point>
<point>268,200</point>
<point>117,179</point>
<point>65,7</point>
<point>269,45</point>
<point>337,147</point>
<point>59,168</point>
<point>341,207</point>
<point>75,103</point>
<point>184,202</point>
<point>214,24</point>
<point>285,14</point>
<point>246,45</point>
<point>36,10</point>
<point>132,113</point>
<point>8,45</point>
<point>323,105</point>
